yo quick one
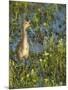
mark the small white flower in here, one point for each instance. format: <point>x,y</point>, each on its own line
<point>40,60</point>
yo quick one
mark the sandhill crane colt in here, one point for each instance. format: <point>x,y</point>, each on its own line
<point>23,46</point>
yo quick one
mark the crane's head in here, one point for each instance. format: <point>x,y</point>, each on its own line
<point>26,24</point>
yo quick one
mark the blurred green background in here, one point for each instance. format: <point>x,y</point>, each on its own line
<point>45,67</point>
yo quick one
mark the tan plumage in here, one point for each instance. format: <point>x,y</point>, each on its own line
<point>23,46</point>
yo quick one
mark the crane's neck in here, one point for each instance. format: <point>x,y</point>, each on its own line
<point>25,33</point>
<point>24,36</point>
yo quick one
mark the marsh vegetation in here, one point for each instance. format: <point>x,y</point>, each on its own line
<point>46,65</point>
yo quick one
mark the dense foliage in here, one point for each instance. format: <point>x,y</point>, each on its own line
<point>47,68</point>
